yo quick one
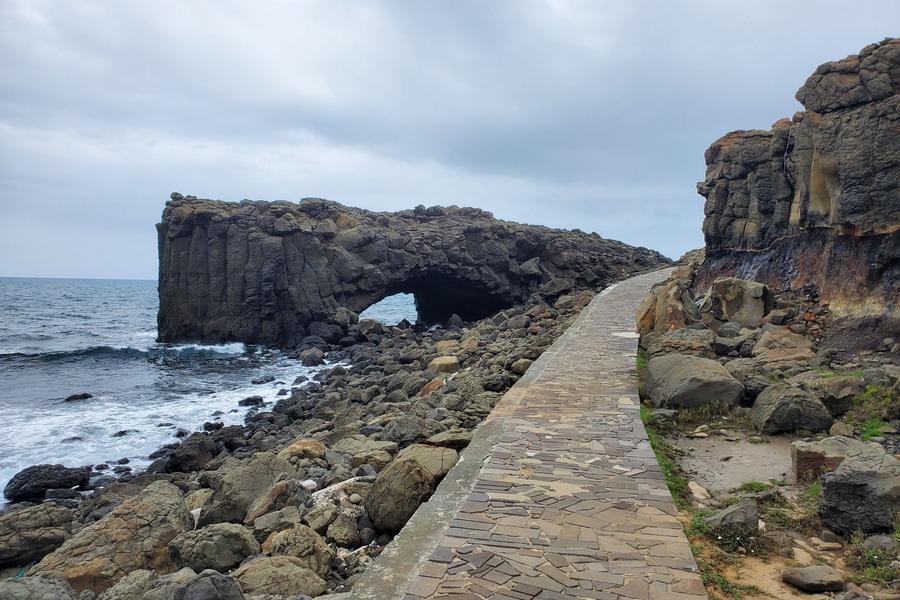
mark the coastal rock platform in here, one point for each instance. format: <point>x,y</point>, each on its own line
<point>559,494</point>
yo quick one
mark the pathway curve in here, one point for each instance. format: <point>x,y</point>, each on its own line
<point>559,495</point>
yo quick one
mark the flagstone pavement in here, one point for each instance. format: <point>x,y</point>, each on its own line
<point>567,500</point>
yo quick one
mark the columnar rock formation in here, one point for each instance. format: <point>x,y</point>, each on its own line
<point>816,199</point>
<point>274,272</point>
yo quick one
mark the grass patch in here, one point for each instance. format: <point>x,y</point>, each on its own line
<point>754,487</point>
<point>873,566</point>
<point>665,456</point>
<point>812,493</point>
<point>703,414</point>
<point>876,403</point>
<point>716,583</point>
<point>642,360</point>
<point>871,428</point>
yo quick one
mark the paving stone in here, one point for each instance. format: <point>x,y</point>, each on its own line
<point>570,502</point>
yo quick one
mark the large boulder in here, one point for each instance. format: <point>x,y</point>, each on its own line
<point>814,579</point>
<point>668,305</point>
<point>836,393</point>
<point>863,493</point>
<point>697,342</point>
<point>28,534</point>
<point>236,487</point>
<point>220,547</point>
<point>36,588</point>
<point>676,380</point>
<point>31,483</point>
<point>278,576</point>
<point>782,345</point>
<point>742,515</point>
<point>191,454</point>
<point>135,535</point>
<point>302,543</point>
<point>736,300</point>
<point>782,407</point>
<point>811,459</point>
<point>405,483</point>
<point>181,585</point>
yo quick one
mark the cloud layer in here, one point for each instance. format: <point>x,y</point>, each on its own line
<point>572,114</point>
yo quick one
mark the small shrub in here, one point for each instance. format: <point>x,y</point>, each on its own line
<point>871,428</point>
<point>873,566</point>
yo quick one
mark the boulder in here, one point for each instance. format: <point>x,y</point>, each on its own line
<point>278,576</point>
<point>405,483</point>
<point>743,515</point>
<point>133,536</point>
<point>676,380</point>
<point>737,300</point>
<point>278,520</point>
<point>28,534</point>
<point>668,305</point>
<point>863,493</point>
<point>219,547</point>
<point>836,393</point>
<point>312,357</point>
<point>444,364</point>
<point>304,544</point>
<point>31,483</point>
<point>811,459</point>
<point>343,531</point>
<point>359,444</point>
<point>36,588</point>
<point>781,407</point>
<point>236,487</point>
<point>520,365</point>
<point>191,454</point>
<point>181,585</point>
<point>303,448</point>
<point>452,438</point>
<point>697,342</point>
<point>814,579</point>
<point>780,345</point>
<point>369,327</point>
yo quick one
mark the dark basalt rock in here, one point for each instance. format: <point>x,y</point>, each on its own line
<point>277,272</point>
<point>817,194</point>
<point>33,482</point>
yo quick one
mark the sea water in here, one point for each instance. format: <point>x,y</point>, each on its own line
<point>60,337</point>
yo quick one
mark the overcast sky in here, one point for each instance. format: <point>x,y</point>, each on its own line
<point>571,114</point>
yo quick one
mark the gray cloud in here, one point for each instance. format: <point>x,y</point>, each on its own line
<point>572,114</point>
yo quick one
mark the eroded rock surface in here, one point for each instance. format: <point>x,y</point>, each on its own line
<point>134,536</point>
<point>275,272</point>
<point>817,194</point>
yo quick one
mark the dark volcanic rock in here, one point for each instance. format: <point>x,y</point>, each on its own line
<point>815,195</point>
<point>275,272</point>
<point>32,482</point>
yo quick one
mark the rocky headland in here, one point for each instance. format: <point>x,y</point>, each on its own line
<point>276,272</point>
<point>814,200</point>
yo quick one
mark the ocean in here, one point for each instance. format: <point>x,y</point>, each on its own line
<point>60,337</point>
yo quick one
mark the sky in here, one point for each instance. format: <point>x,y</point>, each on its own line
<point>563,113</point>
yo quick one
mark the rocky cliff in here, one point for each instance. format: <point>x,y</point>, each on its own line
<point>816,199</point>
<point>275,272</point>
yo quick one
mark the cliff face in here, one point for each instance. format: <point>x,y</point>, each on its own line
<point>816,199</point>
<point>274,272</point>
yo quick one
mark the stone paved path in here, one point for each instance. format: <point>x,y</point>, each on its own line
<point>568,502</point>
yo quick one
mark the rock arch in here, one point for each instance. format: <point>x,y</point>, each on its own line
<point>274,272</point>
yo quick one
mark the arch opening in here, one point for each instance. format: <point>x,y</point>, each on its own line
<point>392,309</point>
<point>438,297</point>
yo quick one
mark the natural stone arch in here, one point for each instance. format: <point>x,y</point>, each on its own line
<point>274,272</point>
